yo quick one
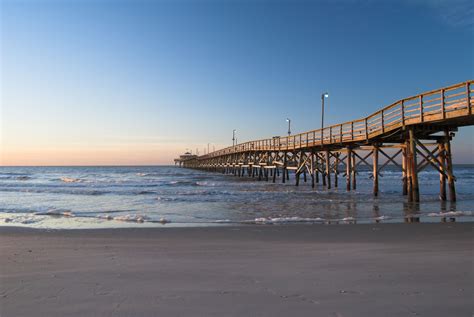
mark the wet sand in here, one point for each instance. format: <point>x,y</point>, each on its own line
<point>313,270</point>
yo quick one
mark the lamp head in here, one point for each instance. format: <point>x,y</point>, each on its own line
<point>287,120</point>
<point>325,95</point>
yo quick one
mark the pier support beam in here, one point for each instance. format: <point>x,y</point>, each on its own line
<point>316,167</point>
<point>348,168</point>
<point>442,167</point>
<point>354,172</point>
<point>404,172</point>
<point>375,155</point>
<point>415,190</point>
<point>449,166</point>
<point>328,170</point>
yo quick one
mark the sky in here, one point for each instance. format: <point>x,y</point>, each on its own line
<point>102,82</point>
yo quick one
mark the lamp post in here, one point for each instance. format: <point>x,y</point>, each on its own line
<point>233,137</point>
<point>289,126</point>
<point>323,96</point>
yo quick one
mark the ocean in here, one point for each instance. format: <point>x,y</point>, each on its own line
<point>168,196</point>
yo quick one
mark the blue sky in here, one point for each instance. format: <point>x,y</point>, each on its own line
<point>138,82</point>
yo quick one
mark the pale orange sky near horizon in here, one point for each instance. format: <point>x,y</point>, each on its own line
<point>132,154</point>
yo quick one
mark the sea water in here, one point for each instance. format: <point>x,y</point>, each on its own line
<point>163,196</point>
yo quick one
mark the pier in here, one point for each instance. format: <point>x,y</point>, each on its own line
<point>412,134</point>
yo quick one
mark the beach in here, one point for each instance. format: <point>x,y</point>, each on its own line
<point>252,270</point>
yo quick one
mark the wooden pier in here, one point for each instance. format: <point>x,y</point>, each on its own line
<point>411,133</point>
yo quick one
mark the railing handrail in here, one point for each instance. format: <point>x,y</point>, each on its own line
<point>320,135</point>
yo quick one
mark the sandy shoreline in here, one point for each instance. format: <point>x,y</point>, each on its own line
<point>302,270</point>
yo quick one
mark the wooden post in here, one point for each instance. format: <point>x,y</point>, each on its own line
<point>468,98</point>
<point>323,171</point>
<point>336,164</point>
<point>409,171</point>
<point>404,171</point>
<point>414,165</point>
<point>298,172</point>
<point>348,168</point>
<point>442,167</point>
<point>316,171</point>
<point>354,172</point>
<point>449,166</point>
<point>275,173</point>
<point>375,155</point>
<point>283,169</point>
<point>328,170</point>
<point>312,170</point>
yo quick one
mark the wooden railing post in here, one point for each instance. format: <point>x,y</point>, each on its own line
<point>352,130</point>
<point>340,132</point>
<point>421,108</point>
<point>383,122</point>
<point>403,114</point>
<point>468,96</point>
<point>366,130</point>
<point>442,104</point>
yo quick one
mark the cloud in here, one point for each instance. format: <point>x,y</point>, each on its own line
<point>456,13</point>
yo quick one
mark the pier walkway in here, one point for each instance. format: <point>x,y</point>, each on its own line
<point>411,133</point>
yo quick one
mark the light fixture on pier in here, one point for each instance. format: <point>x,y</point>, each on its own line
<point>233,137</point>
<point>323,96</point>
<point>289,126</point>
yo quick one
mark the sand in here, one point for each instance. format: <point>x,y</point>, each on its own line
<point>304,270</point>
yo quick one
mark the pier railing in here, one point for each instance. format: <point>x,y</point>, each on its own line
<point>436,105</point>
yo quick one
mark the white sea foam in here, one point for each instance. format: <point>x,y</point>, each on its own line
<point>164,220</point>
<point>348,219</point>
<point>131,218</point>
<point>106,217</point>
<point>71,180</point>
<point>210,184</point>
<point>450,214</point>
<point>285,220</point>
<point>55,212</point>
<point>382,218</point>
